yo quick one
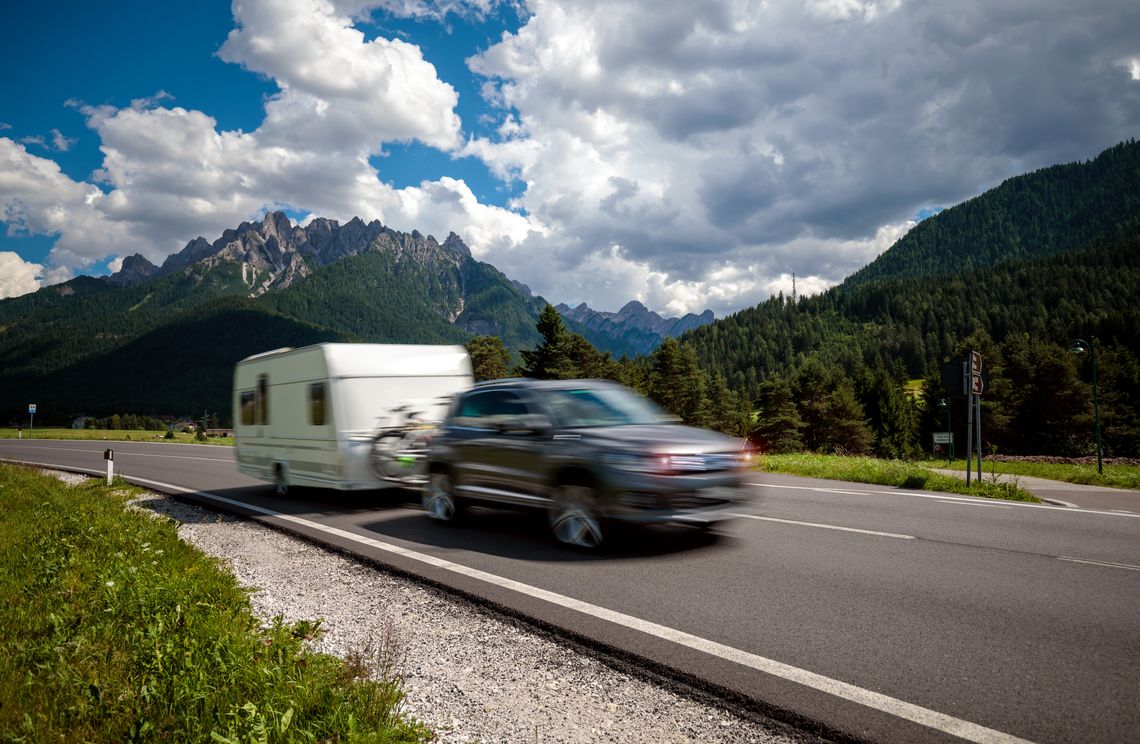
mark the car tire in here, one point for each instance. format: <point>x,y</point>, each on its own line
<point>575,518</point>
<point>438,499</point>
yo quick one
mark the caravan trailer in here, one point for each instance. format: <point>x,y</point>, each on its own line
<point>308,416</point>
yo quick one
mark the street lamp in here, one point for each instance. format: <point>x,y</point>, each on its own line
<point>1079,346</point>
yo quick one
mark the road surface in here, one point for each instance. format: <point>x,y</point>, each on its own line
<point>862,612</point>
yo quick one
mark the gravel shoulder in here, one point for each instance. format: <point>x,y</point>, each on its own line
<point>472,675</point>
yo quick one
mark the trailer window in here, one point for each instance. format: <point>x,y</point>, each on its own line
<point>263,399</point>
<point>317,404</point>
<point>248,414</point>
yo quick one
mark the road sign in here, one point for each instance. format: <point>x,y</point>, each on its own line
<point>31,408</point>
<point>977,384</point>
<point>943,437</point>
<point>975,363</point>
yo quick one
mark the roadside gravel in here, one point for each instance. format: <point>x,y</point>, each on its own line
<point>470,674</point>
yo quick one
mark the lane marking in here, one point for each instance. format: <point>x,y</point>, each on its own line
<point>965,499</point>
<point>837,490</point>
<point>884,703</point>
<point>827,526</point>
<point>128,453</point>
<point>1109,564</point>
<point>971,503</point>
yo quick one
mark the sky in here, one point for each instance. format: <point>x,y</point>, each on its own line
<point>689,155</point>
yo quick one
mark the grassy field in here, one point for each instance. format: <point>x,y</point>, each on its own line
<point>1116,476</point>
<point>115,630</point>
<point>888,473</point>
<point>113,435</point>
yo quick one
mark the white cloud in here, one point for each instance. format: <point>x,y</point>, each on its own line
<point>689,155</point>
<point>339,91</point>
<point>723,145</point>
<point>17,276</point>
<point>60,142</point>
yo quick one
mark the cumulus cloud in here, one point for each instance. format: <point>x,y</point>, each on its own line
<point>17,276</point>
<point>338,90</point>
<point>753,139</point>
<point>689,155</point>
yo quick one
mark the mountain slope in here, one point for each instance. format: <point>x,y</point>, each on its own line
<point>1050,211</point>
<point>967,269</point>
<point>362,282</point>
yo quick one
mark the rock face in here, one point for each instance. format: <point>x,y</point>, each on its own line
<point>135,270</point>
<point>635,329</point>
<point>274,253</point>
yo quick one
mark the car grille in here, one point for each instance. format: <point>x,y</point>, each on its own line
<point>702,463</point>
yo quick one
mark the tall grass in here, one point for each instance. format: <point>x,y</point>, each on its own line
<point>889,473</point>
<point>1115,476</point>
<point>115,630</point>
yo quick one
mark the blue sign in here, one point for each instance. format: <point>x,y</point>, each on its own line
<point>31,408</point>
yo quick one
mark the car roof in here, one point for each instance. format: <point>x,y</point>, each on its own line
<point>528,383</point>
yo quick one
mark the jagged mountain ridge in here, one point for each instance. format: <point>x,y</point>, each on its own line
<point>275,253</point>
<point>632,330</point>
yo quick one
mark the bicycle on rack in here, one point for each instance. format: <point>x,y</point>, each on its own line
<point>399,450</point>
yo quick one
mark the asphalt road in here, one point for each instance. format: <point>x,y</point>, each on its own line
<point>859,611</point>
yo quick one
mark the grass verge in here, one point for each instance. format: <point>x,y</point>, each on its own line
<point>1115,476</point>
<point>115,630</point>
<point>112,435</point>
<point>889,473</point>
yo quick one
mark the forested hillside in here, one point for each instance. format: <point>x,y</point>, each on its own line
<point>1056,209</point>
<point>1017,273</point>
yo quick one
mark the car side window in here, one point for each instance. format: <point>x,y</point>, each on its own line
<point>488,410</point>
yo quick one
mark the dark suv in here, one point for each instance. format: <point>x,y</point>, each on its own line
<point>590,453</point>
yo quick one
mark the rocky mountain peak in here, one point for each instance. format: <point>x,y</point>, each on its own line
<point>134,270</point>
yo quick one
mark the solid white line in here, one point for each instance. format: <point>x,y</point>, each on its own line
<point>975,503</point>
<point>967,499</point>
<point>836,490</point>
<point>827,526</point>
<point>128,453</point>
<point>884,703</point>
<point>1109,564</point>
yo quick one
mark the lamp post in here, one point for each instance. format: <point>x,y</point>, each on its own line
<point>1080,346</point>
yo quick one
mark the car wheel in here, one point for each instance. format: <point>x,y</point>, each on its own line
<point>574,517</point>
<point>438,498</point>
<point>280,480</point>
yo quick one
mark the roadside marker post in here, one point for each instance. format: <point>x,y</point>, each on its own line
<point>32,424</point>
<point>109,456</point>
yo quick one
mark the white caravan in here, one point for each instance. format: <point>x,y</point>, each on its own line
<point>308,417</point>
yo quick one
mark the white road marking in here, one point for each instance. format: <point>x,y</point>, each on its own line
<point>976,503</point>
<point>827,526</point>
<point>1109,564</point>
<point>965,499</point>
<point>837,490</point>
<point>126,453</point>
<point>900,708</point>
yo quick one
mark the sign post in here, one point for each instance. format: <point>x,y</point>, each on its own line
<point>32,424</point>
<point>974,383</point>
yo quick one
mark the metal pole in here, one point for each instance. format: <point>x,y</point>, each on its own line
<point>978,403</point>
<point>32,426</point>
<point>1096,412</point>
<point>969,435</point>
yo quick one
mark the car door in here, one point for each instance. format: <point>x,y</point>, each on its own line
<point>500,453</point>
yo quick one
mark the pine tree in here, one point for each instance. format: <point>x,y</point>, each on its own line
<point>778,424</point>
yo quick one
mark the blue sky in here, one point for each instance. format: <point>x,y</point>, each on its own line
<point>688,155</point>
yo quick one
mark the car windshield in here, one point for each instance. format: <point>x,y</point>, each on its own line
<point>608,406</point>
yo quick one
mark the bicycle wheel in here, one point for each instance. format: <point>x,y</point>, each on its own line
<point>385,455</point>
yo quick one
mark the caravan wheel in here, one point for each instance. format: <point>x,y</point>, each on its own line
<point>280,480</point>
